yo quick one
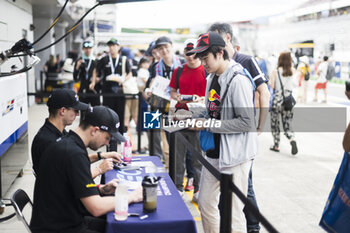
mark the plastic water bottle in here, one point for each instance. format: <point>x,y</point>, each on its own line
<point>121,202</point>
<point>127,149</point>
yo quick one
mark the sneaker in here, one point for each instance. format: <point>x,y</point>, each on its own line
<point>189,185</point>
<point>195,197</point>
<point>294,147</point>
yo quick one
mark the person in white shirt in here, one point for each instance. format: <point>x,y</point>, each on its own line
<point>321,79</point>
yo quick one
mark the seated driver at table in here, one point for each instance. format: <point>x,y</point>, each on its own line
<point>66,199</point>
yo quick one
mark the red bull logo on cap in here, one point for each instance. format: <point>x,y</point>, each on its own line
<point>213,95</point>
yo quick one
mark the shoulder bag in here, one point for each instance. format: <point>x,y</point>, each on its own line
<point>289,101</point>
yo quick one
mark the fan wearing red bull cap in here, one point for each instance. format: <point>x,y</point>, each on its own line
<point>188,79</point>
<point>66,198</point>
<point>235,140</point>
<point>262,97</point>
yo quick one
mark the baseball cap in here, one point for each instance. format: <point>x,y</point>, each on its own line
<point>106,119</point>
<point>205,41</point>
<point>162,40</point>
<point>190,44</point>
<point>150,48</point>
<point>113,41</point>
<point>65,98</point>
<point>88,44</point>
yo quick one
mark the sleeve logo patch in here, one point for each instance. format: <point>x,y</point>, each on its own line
<point>91,185</point>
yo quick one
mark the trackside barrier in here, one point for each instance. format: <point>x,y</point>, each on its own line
<point>226,187</point>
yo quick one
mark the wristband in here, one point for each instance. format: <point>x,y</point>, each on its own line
<point>98,186</point>
<point>99,155</point>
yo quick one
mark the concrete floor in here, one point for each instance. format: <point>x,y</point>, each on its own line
<point>291,190</point>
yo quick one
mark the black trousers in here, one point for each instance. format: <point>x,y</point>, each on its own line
<point>89,98</point>
<point>117,103</point>
<point>93,225</point>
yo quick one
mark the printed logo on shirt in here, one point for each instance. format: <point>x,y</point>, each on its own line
<point>214,102</point>
<point>151,120</point>
<point>91,185</point>
<point>213,96</point>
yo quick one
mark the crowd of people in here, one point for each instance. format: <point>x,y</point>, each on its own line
<point>231,86</point>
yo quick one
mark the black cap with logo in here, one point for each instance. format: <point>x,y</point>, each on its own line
<point>65,98</point>
<point>150,48</point>
<point>162,40</point>
<point>106,119</point>
<point>205,41</point>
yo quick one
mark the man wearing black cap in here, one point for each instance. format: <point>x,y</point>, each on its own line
<point>229,102</point>
<point>188,79</point>
<point>64,107</point>
<point>65,192</point>
<point>164,68</point>
<point>113,70</point>
<point>262,97</point>
<point>169,61</point>
<point>85,73</point>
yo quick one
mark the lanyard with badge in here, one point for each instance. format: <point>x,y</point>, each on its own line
<point>166,73</point>
<point>113,66</point>
<point>87,69</point>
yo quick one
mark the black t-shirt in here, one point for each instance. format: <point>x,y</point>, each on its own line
<point>104,68</point>
<point>46,135</point>
<point>252,66</point>
<point>84,73</point>
<point>213,104</point>
<point>64,179</point>
<point>50,68</point>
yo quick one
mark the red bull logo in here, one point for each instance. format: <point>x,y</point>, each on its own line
<point>213,95</point>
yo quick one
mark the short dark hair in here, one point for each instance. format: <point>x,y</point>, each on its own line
<point>53,112</point>
<point>214,50</point>
<point>325,58</point>
<point>224,28</point>
<point>143,60</point>
<point>83,124</point>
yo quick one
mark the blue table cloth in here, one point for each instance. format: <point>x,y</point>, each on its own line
<point>171,216</point>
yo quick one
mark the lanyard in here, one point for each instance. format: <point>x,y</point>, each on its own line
<point>113,67</point>
<point>165,72</point>
<point>87,70</point>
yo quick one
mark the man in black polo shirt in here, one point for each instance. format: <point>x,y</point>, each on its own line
<point>85,73</point>
<point>113,70</point>
<point>64,107</point>
<point>64,189</point>
<point>262,97</point>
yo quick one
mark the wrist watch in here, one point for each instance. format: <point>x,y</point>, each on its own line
<point>99,155</point>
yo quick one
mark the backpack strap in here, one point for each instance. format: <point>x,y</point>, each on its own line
<point>123,66</point>
<point>178,74</point>
<point>227,87</point>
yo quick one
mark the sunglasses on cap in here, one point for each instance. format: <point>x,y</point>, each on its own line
<point>88,45</point>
